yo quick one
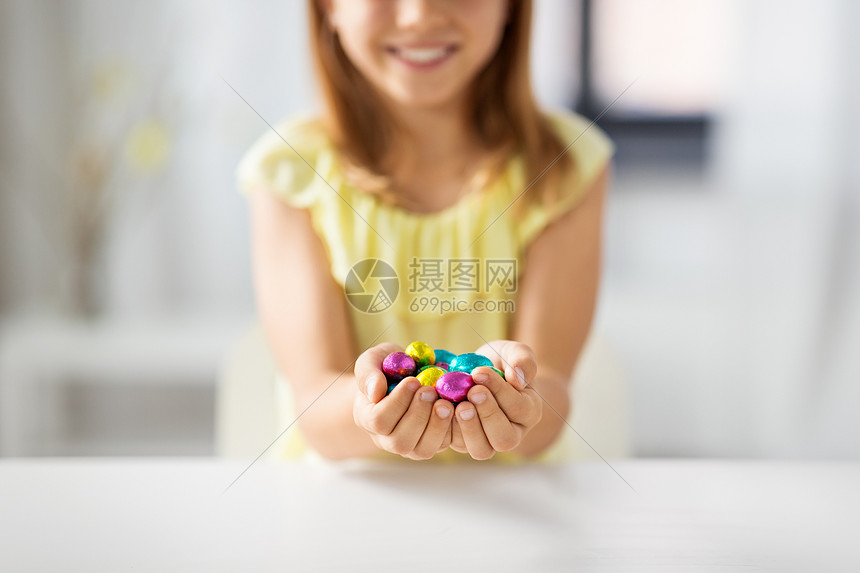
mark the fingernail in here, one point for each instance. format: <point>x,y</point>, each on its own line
<point>467,414</point>
<point>480,377</point>
<point>371,388</point>
<point>443,412</point>
<point>521,377</point>
<point>428,396</point>
<point>478,398</point>
<point>413,384</point>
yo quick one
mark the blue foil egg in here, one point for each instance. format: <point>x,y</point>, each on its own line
<point>469,361</point>
<point>444,356</point>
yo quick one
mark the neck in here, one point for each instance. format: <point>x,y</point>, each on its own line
<point>431,137</point>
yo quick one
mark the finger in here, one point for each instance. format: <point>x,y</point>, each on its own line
<point>492,351</point>
<point>517,406</point>
<point>382,417</point>
<point>438,429</point>
<point>457,442</point>
<point>446,441</point>
<point>500,432</point>
<point>473,433</point>
<point>368,371</point>
<point>408,431</point>
<point>520,366</point>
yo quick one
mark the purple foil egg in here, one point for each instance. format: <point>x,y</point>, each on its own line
<point>443,365</point>
<point>398,365</point>
<point>454,386</point>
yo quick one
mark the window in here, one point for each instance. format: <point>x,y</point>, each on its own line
<point>677,49</point>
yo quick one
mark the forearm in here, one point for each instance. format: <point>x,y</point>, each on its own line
<point>328,424</point>
<point>555,393</point>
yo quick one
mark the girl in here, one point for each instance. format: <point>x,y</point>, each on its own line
<point>431,200</point>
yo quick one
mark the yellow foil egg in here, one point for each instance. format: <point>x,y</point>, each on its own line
<point>422,353</point>
<point>428,376</point>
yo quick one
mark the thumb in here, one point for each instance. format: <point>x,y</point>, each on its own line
<point>368,371</point>
<point>374,386</point>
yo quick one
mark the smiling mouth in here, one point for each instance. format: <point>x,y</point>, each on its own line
<point>424,56</point>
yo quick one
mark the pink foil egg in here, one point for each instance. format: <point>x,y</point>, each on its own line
<point>454,386</point>
<point>398,365</point>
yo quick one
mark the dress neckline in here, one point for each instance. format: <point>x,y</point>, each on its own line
<point>474,195</point>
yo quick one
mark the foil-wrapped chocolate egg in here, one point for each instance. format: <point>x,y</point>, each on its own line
<point>469,361</point>
<point>443,365</point>
<point>429,375</point>
<point>398,365</point>
<point>444,356</point>
<point>454,386</point>
<point>391,387</point>
<point>422,353</point>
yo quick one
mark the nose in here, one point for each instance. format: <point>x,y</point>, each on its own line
<point>418,13</point>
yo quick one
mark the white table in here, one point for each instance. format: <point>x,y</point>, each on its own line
<point>171,515</point>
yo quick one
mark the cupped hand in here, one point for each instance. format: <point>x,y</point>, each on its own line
<point>411,421</point>
<point>499,411</point>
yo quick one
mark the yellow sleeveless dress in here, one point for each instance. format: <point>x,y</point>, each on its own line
<point>447,278</point>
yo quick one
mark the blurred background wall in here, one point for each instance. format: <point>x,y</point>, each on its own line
<point>731,292</point>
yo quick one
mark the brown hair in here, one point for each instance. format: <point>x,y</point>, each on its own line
<point>504,112</point>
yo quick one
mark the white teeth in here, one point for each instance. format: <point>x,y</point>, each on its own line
<point>422,55</point>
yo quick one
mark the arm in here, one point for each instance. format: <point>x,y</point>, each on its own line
<point>303,315</point>
<point>555,307</point>
<point>305,319</point>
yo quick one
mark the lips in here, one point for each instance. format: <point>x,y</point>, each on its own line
<point>422,56</point>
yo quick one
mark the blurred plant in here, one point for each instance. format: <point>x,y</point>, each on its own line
<point>115,143</point>
<point>147,146</point>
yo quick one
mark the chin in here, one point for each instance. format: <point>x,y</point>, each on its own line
<point>423,99</point>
